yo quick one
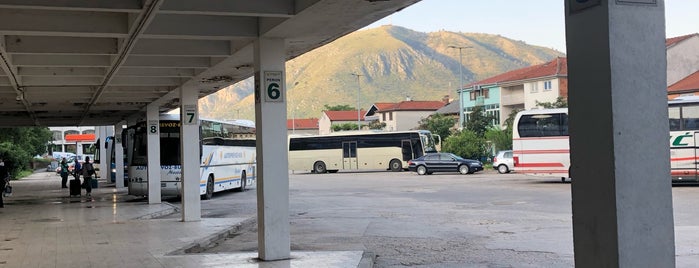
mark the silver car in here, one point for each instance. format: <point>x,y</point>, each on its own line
<point>503,162</point>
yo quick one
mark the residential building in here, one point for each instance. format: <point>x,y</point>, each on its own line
<point>330,118</point>
<point>518,89</point>
<point>404,115</point>
<point>682,57</point>
<point>303,126</point>
<point>689,86</point>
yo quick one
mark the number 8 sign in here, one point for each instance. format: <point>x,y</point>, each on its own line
<point>274,86</point>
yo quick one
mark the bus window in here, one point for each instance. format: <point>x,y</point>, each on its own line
<point>674,113</point>
<point>690,117</point>
<point>543,125</point>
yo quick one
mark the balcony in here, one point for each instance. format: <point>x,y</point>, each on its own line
<point>512,99</point>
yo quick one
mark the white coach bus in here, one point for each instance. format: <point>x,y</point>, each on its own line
<point>359,150</point>
<point>540,141</point>
<point>227,151</point>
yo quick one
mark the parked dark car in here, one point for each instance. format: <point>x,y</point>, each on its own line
<point>443,162</point>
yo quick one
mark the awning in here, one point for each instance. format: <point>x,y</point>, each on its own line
<point>80,137</point>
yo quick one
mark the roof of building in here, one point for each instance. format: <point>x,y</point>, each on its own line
<point>674,40</point>
<point>555,67</point>
<point>451,108</point>
<point>406,106</point>
<point>344,115</point>
<point>690,82</point>
<point>302,123</point>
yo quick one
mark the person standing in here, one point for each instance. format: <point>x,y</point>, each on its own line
<point>64,173</point>
<point>88,171</point>
<point>4,178</point>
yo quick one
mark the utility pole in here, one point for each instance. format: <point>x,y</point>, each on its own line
<point>461,87</point>
<point>359,126</point>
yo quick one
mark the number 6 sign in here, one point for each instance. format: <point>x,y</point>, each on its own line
<point>274,86</point>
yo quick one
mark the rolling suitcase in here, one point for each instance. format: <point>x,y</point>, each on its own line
<point>74,187</point>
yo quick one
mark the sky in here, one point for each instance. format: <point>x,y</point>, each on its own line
<point>538,22</point>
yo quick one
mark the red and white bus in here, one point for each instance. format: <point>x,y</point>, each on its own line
<point>540,141</point>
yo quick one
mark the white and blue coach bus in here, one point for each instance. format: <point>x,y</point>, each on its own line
<point>226,148</point>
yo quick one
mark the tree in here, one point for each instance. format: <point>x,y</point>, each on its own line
<point>18,145</point>
<point>339,107</point>
<point>509,122</point>
<point>559,103</point>
<point>466,144</point>
<point>376,124</point>
<point>479,121</point>
<point>501,139</point>
<point>344,127</point>
<point>438,124</point>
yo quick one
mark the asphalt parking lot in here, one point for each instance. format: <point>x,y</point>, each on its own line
<point>442,220</point>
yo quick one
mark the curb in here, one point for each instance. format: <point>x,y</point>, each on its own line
<point>367,260</point>
<point>172,209</point>
<point>210,241</point>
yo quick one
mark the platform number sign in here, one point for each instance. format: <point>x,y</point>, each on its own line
<point>190,117</point>
<point>153,127</point>
<point>274,86</point>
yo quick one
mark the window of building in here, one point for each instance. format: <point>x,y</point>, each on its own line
<point>547,86</point>
<point>486,93</point>
<point>390,116</point>
<point>70,132</point>
<point>57,135</point>
<point>384,116</point>
<point>89,131</point>
<point>534,87</point>
<point>473,95</point>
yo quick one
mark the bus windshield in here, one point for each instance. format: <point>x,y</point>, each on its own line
<point>428,142</point>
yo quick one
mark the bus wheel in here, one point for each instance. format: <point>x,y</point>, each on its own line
<point>319,167</point>
<point>463,169</point>
<point>209,188</point>
<point>421,170</point>
<point>243,182</point>
<point>396,165</point>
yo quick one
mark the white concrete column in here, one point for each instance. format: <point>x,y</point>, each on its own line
<point>272,158</point>
<point>105,172</point>
<point>153,130</point>
<point>621,187</point>
<point>119,155</point>
<point>190,155</point>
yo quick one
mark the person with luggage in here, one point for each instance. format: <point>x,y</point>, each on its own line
<point>64,173</point>
<point>88,170</point>
<point>4,179</point>
<point>77,169</point>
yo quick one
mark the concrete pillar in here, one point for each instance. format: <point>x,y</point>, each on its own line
<point>153,130</point>
<point>621,187</point>
<point>105,171</point>
<point>119,155</point>
<point>190,155</point>
<point>272,158</point>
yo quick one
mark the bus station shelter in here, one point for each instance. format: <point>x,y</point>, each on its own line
<point>103,63</point>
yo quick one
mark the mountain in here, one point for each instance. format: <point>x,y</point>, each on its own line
<point>393,63</point>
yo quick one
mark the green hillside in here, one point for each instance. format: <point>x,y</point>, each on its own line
<point>394,63</point>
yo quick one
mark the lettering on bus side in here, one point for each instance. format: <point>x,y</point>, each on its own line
<point>233,155</point>
<point>168,167</point>
<point>681,140</point>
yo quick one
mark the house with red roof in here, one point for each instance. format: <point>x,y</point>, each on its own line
<point>682,57</point>
<point>403,115</point>
<point>517,89</point>
<point>330,118</point>
<point>302,126</point>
